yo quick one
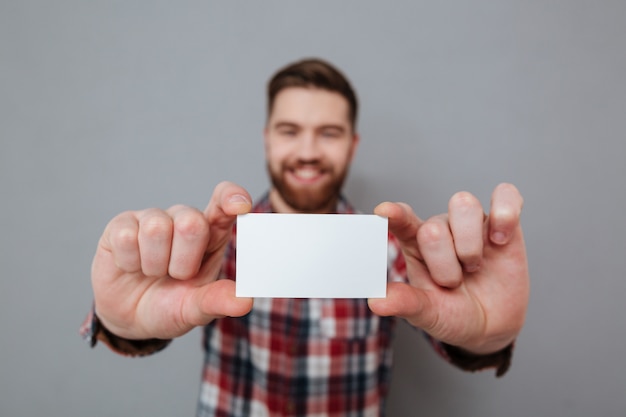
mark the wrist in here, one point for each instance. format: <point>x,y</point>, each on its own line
<point>484,349</point>
<point>127,347</point>
<point>471,361</point>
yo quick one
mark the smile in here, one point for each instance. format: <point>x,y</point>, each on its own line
<point>306,174</point>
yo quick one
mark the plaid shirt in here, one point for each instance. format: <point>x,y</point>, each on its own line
<point>298,357</point>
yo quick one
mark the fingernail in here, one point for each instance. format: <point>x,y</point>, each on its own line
<point>238,199</point>
<point>499,237</point>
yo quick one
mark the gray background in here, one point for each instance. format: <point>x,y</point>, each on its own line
<point>108,106</point>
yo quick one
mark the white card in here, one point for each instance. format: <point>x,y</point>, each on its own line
<point>311,255</point>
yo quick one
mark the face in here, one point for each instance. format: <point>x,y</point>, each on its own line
<point>309,144</point>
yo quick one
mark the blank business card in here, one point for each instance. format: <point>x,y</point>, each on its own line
<point>311,255</point>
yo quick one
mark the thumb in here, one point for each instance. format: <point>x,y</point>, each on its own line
<point>214,300</point>
<point>408,302</point>
<point>228,201</point>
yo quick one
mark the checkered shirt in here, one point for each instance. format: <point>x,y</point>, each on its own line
<point>299,357</point>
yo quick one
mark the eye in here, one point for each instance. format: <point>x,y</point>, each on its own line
<point>289,132</point>
<point>331,133</point>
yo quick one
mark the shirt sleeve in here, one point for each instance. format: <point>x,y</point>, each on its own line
<point>500,361</point>
<point>92,330</point>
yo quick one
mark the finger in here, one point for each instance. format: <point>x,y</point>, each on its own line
<point>189,241</point>
<point>465,214</point>
<point>155,241</point>
<point>505,212</point>
<point>403,224</point>
<point>120,239</point>
<point>214,300</point>
<point>437,248</point>
<point>228,200</point>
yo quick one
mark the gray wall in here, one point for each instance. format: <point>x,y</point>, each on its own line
<point>107,106</point>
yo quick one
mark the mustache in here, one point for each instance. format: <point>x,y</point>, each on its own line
<point>307,164</point>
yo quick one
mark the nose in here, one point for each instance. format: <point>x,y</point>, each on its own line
<point>308,147</point>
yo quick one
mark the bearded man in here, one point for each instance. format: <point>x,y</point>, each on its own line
<point>460,277</point>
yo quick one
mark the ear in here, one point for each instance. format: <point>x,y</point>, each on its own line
<point>266,139</point>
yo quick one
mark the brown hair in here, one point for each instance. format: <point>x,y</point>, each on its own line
<point>313,72</point>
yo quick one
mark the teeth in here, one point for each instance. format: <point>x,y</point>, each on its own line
<point>306,174</point>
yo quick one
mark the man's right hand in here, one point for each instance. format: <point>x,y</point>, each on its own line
<point>155,272</point>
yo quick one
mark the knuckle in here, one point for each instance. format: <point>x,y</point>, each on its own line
<point>155,226</point>
<point>124,239</point>
<point>431,232</point>
<point>191,225</point>
<point>509,192</point>
<point>506,186</point>
<point>464,200</point>
<point>177,208</point>
<point>505,214</point>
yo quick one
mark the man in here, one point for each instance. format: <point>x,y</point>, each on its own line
<point>461,277</point>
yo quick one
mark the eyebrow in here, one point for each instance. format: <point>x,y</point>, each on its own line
<point>278,125</point>
<point>333,127</point>
<point>282,124</point>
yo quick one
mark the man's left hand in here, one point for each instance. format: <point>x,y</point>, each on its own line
<point>468,282</point>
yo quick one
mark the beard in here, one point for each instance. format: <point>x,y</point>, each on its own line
<point>308,199</point>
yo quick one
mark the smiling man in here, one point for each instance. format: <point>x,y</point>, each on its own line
<point>310,140</point>
<point>461,277</point>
